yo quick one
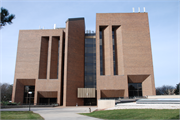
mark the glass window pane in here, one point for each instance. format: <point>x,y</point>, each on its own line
<point>90,62</point>
<point>135,89</point>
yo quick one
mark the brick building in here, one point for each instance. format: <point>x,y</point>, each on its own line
<point>69,67</point>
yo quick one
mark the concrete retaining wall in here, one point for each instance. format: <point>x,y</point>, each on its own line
<point>103,104</point>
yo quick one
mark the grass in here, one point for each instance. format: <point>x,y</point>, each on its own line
<point>20,115</point>
<point>136,114</point>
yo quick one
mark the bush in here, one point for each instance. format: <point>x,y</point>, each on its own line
<point>9,103</point>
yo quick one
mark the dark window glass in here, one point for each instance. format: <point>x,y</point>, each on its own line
<point>89,59</point>
<point>90,34</point>
<point>90,101</point>
<point>130,93</point>
<point>114,51</point>
<point>135,89</point>
<point>88,45</point>
<point>100,34</point>
<point>101,54</point>
<point>88,73</point>
<point>133,86</point>
<point>89,55</point>
<point>48,101</point>
<point>88,42</point>
<point>90,63</point>
<point>27,96</point>
<point>135,93</point>
<point>140,88</point>
<point>140,93</point>
<point>88,50</point>
<point>139,85</point>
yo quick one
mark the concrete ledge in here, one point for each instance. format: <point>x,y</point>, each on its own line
<point>158,102</point>
<point>104,104</point>
<point>163,96</point>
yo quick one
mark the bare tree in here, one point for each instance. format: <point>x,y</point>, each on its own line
<point>165,90</point>
<point>6,91</point>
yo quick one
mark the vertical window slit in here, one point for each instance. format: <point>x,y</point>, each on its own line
<point>101,40</point>
<point>114,43</point>
<point>62,68</point>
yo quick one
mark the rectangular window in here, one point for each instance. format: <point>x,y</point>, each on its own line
<point>43,58</point>
<point>90,101</point>
<point>54,57</point>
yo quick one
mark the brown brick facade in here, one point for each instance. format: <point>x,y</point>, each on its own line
<point>134,56</point>
<point>53,60</point>
<point>74,61</point>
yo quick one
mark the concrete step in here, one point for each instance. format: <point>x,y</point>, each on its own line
<point>159,101</point>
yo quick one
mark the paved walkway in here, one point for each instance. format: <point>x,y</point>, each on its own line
<point>133,105</point>
<point>59,113</point>
<point>71,113</point>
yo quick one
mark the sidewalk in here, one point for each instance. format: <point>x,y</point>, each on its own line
<point>60,113</point>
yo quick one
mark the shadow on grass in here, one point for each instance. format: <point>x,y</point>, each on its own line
<point>176,117</point>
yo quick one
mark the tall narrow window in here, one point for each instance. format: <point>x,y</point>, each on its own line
<point>114,43</point>
<point>90,61</point>
<point>43,58</point>
<point>54,57</point>
<point>101,40</point>
<point>62,68</point>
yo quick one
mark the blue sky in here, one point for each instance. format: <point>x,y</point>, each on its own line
<point>30,14</point>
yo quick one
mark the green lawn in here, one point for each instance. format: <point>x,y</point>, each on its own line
<point>136,114</point>
<point>20,115</point>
